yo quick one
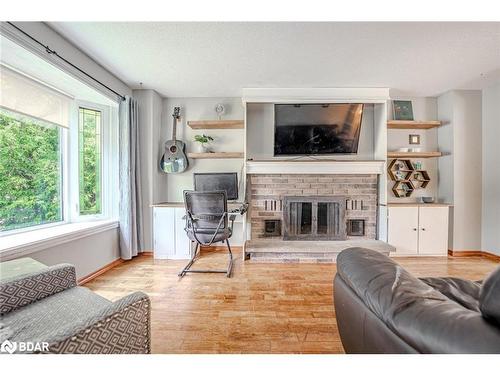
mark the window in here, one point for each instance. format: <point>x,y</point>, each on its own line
<point>30,172</point>
<point>57,169</point>
<point>90,167</point>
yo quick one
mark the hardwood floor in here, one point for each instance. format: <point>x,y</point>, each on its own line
<point>263,308</point>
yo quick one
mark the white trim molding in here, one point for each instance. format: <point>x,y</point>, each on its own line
<point>22,244</point>
<point>316,95</point>
<point>316,167</point>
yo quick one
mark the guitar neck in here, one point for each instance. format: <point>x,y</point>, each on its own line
<point>174,130</point>
<point>174,127</point>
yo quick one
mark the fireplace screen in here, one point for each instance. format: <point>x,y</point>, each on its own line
<point>311,218</point>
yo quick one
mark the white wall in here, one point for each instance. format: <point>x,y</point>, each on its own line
<point>260,134</point>
<point>491,170</point>
<point>423,109</point>
<point>87,254</point>
<point>225,140</point>
<point>460,172</point>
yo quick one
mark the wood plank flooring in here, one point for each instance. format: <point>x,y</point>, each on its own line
<point>263,308</point>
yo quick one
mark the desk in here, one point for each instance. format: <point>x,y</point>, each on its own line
<point>169,238</point>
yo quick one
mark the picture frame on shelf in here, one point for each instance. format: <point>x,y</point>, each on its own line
<point>414,139</point>
<point>402,110</point>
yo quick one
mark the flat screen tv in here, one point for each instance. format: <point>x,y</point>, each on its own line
<point>317,129</point>
<point>227,182</point>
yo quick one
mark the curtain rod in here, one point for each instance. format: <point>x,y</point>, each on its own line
<point>52,52</point>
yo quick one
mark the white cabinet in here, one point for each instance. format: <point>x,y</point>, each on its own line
<point>169,238</point>
<point>418,230</point>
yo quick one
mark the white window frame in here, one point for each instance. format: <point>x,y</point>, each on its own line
<point>69,154</point>
<point>74,156</point>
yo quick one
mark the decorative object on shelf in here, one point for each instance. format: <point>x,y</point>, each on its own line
<point>425,200</point>
<point>219,109</point>
<point>420,179</point>
<point>403,189</point>
<point>414,139</point>
<point>407,176</point>
<point>203,142</point>
<point>402,110</point>
<point>400,170</point>
<point>174,159</point>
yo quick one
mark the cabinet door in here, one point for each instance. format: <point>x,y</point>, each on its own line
<point>163,231</point>
<point>433,231</point>
<point>403,229</point>
<point>182,242</point>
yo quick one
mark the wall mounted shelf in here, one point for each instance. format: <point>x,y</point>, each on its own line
<point>217,124</point>
<point>418,125</point>
<point>215,155</point>
<point>414,155</point>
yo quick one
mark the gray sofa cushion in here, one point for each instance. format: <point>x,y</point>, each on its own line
<point>489,299</point>
<point>464,292</point>
<point>55,316</point>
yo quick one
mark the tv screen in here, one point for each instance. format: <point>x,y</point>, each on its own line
<point>313,129</point>
<point>227,182</point>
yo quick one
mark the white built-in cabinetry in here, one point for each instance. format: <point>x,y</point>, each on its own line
<point>169,238</point>
<point>418,229</point>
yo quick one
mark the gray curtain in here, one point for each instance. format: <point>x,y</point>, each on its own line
<point>131,231</point>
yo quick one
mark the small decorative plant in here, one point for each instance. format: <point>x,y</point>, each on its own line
<point>204,141</point>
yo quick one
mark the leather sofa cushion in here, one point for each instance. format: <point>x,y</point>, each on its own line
<point>489,299</point>
<point>464,292</point>
<point>420,315</point>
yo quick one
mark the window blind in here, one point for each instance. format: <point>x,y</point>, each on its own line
<point>27,96</point>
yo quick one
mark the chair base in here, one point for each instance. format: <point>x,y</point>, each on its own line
<point>187,268</point>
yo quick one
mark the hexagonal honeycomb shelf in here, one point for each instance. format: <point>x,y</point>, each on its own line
<point>403,189</point>
<point>420,179</point>
<point>400,170</point>
<point>406,178</point>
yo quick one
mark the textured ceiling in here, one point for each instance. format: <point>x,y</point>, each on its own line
<point>218,59</point>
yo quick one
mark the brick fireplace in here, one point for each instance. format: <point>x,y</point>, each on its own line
<point>333,207</point>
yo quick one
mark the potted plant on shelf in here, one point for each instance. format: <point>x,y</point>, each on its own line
<point>203,141</point>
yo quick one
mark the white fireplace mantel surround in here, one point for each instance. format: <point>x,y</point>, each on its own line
<point>316,167</point>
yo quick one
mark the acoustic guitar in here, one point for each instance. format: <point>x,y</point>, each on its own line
<point>174,159</point>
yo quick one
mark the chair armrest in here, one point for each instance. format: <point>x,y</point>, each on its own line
<point>22,290</point>
<point>121,328</point>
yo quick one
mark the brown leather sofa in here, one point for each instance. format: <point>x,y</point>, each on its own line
<point>382,308</point>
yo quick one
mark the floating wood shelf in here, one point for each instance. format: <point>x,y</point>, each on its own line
<point>217,124</point>
<point>404,124</point>
<point>215,155</point>
<point>414,155</point>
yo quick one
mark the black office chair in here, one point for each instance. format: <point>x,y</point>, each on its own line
<point>207,222</point>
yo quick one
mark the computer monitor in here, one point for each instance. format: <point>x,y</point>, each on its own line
<point>227,182</point>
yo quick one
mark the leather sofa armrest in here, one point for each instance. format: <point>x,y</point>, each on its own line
<point>124,327</point>
<point>20,291</point>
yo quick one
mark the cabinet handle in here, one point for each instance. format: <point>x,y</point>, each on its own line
<point>415,229</point>
<point>423,228</point>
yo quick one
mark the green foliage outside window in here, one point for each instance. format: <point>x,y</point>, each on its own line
<point>90,161</point>
<point>30,172</point>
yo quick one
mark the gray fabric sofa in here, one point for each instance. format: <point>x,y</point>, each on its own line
<point>47,306</point>
<point>382,308</point>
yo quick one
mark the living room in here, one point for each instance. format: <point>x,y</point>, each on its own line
<point>249,187</point>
